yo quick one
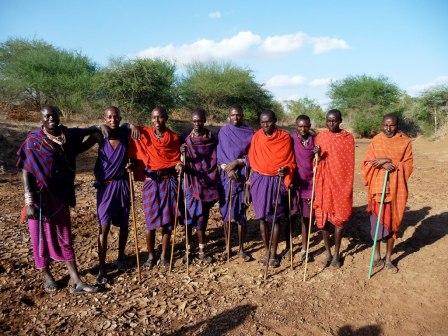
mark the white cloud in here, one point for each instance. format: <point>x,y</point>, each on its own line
<point>325,44</point>
<point>204,49</point>
<point>285,80</point>
<point>283,43</point>
<point>214,15</point>
<point>416,89</point>
<point>319,82</point>
<point>242,44</point>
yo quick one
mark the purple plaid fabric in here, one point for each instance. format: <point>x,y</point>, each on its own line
<point>159,201</point>
<point>233,143</point>
<point>303,178</point>
<point>113,196</point>
<point>202,177</point>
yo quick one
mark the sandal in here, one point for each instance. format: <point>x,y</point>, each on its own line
<point>101,278</point>
<point>336,263</point>
<point>121,265</point>
<point>50,286</point>
<point>163,262</point>
<point>82,288</point>
<point>274,262</point>
<point>378,263</point>
<point>245,256</point>
<point>204,259</point>
<point>391,267</point>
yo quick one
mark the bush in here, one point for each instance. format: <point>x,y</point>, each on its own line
<point>34,70</point>
<point>363,100</point>
<point>137,86</point>
<point>307,107</point>
<point>216,86</point>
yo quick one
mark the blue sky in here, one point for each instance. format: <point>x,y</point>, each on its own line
<point>294,47</point>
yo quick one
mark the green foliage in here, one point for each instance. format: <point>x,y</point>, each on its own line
<point>309,107</point>
<point>37,71</point>
<point>431,108</point>
<point>363,100</point>
<point>137,86</point>
<point>216,86</point>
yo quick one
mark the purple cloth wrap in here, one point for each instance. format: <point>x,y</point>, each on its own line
<point>113,195</point>
<point>383,232</point>
<point>233,143</point>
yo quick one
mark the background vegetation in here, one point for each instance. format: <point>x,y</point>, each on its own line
<point>34,73</point>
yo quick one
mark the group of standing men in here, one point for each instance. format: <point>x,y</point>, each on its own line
<point>270,167</point>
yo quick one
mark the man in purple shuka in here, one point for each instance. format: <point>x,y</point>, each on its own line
<point>202,178</point>
<point>112,198</point>
<point>47,159</point>
<point>233,145</point>
<point>304,150</point>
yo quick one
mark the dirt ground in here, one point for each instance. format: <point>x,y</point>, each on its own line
<point>231,298</point>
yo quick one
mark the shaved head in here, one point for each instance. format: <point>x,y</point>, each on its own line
<point>391,116</point>
<point>112,109</point>
<point>336,113</point>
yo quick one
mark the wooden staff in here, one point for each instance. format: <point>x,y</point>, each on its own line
<point>383,194</point>
<point>290,229</point>
<point>279,181</point>
<point>187,244</point>
<point>229,220</point>
<point>315,164</point>
<point>173,241</point>
<point>134,221</point>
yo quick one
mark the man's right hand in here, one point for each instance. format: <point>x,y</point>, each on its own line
<point>233,175</point>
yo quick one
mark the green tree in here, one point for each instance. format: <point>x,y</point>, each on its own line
<point>36,71</point>
<point>363,100</point>
<point>308,107</point>
<point>216,86</point>
<point>431,107</point>
<point>137,86</point>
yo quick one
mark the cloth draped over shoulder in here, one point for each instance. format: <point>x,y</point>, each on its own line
<point>399,149</point>
<point>52,165</point>
<point>334,178</point>
<point>154,153</point>
<point>267,154</point>
<point>234,142</point>
<point>201,166</point>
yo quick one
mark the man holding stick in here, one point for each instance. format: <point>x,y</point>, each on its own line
<point>157,155</point>
<point>334,183</point>
<point>391,151</point>
<point>272,162</point>
<point>201,170</point>
<point>304,150</point>
<point>48,161</point>
<point>233,145</point>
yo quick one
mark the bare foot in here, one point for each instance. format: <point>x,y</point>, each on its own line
<point>328,260</point>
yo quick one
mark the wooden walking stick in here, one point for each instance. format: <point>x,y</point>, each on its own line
<point>279,181</point>
<point>290,229</point>
<point>187,244</point>
<point>134,221</point>
<point>229,220</point>
<point>173,241</point>
<point>383,194</point>
<point>315,164</point>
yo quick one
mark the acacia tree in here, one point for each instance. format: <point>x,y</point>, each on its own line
<point>363,100</point>
<point>309,107</point>
<point>137,86</point>
<point>216,86</point>
<point>34,70</point>
<point>432,107</point>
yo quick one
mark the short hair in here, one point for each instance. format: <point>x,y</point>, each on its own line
<point>269,113</point>
<point>304,118</point>
<point>200,112</point>
<point>162,110</point>
<point>51,108</point>
<point>335,112</point>
<point>112,108</point>
<point>236,107</point>
<point>391,116</point>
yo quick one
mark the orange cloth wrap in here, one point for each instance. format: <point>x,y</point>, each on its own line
<point>334,179</point>
<point>267,154</point>
<point>153,152</point>
<point>399,150</point>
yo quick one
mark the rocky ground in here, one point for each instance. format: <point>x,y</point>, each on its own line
<point>232,298</point>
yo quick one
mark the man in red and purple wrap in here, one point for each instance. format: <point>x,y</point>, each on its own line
<point>158,164</point>
<point>233,145</point>
<point>202,179</point>
<point>271,160</point>
<point>47,159</point>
